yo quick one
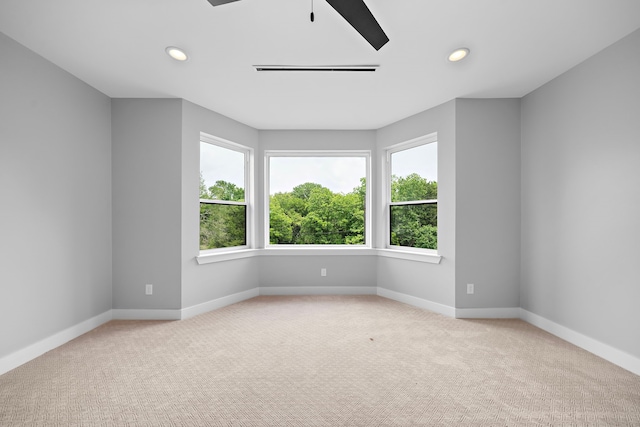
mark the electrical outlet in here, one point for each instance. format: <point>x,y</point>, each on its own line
<point>470,288</point>
<point>323,272</point>
<point>148,289</point>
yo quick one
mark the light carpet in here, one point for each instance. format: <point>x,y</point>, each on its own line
<point>319,361</point>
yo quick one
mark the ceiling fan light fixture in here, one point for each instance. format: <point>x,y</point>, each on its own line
<point>177,53</point>
<point>459,54</point>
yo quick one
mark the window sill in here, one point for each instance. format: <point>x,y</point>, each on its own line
<point>208,258</point>
<point>433,258</point>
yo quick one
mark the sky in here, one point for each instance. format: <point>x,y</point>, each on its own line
<point>339,174</point>
<point>217,163</point>
<point>422,160</point>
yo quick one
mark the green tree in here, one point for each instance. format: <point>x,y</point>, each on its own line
<point>204,193</point>
<point>414,225</point>
<point>280,224</point>
<point>303,191</point>
<point>223,190</point>
<point>348,217</point>
<point>313,214</point>
<point>286,210</point>
<point>316,225</point>
<point>222,225</point>
<point>413,187</point>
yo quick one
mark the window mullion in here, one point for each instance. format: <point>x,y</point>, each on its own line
<point>415,202</point>
<point>222,202</point>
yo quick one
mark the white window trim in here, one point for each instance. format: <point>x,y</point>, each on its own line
<point>248,153</point>
<point>342,249</point>
<point>393,251</point>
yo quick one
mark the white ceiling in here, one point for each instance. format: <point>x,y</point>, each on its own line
<point>117,46</point>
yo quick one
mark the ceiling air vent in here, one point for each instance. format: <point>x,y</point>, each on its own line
<point>318,68</point>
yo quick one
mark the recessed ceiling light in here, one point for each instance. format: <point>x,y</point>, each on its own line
<point>176,53</point>
<point>459,54</point>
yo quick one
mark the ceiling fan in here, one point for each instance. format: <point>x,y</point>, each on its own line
<point>356,13</point>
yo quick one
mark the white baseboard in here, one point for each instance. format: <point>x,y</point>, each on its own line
<point>417,302</point>
<point>318,290</point>
<point>215,304</point>
<point>613,355</point>
<point>39,348</point>
<point>142,314</point>
<point>488,313</point>
<point>607,352</point>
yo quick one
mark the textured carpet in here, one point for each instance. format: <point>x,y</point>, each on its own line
<point>319,361</point>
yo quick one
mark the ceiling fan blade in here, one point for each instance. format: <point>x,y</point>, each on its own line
<point>360,17</point>
<point>219,2</point>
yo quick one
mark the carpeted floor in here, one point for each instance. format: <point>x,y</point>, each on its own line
<point>319,361</point>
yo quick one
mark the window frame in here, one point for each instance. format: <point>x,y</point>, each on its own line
<point>388,174</point>
<point>312,248</point>
<point>248,154</point>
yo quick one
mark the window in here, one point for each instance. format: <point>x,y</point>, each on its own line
<point>413,194</point>
<point>317,198</point>
<point>224,194</point>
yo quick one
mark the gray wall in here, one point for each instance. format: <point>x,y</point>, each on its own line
<point>433,282</point>
<point>147,138</point>
<point>304,271</point>
<point>488,202</point>
<point>55,199</point>
<point>581,197</point>
<point>202,283</point>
